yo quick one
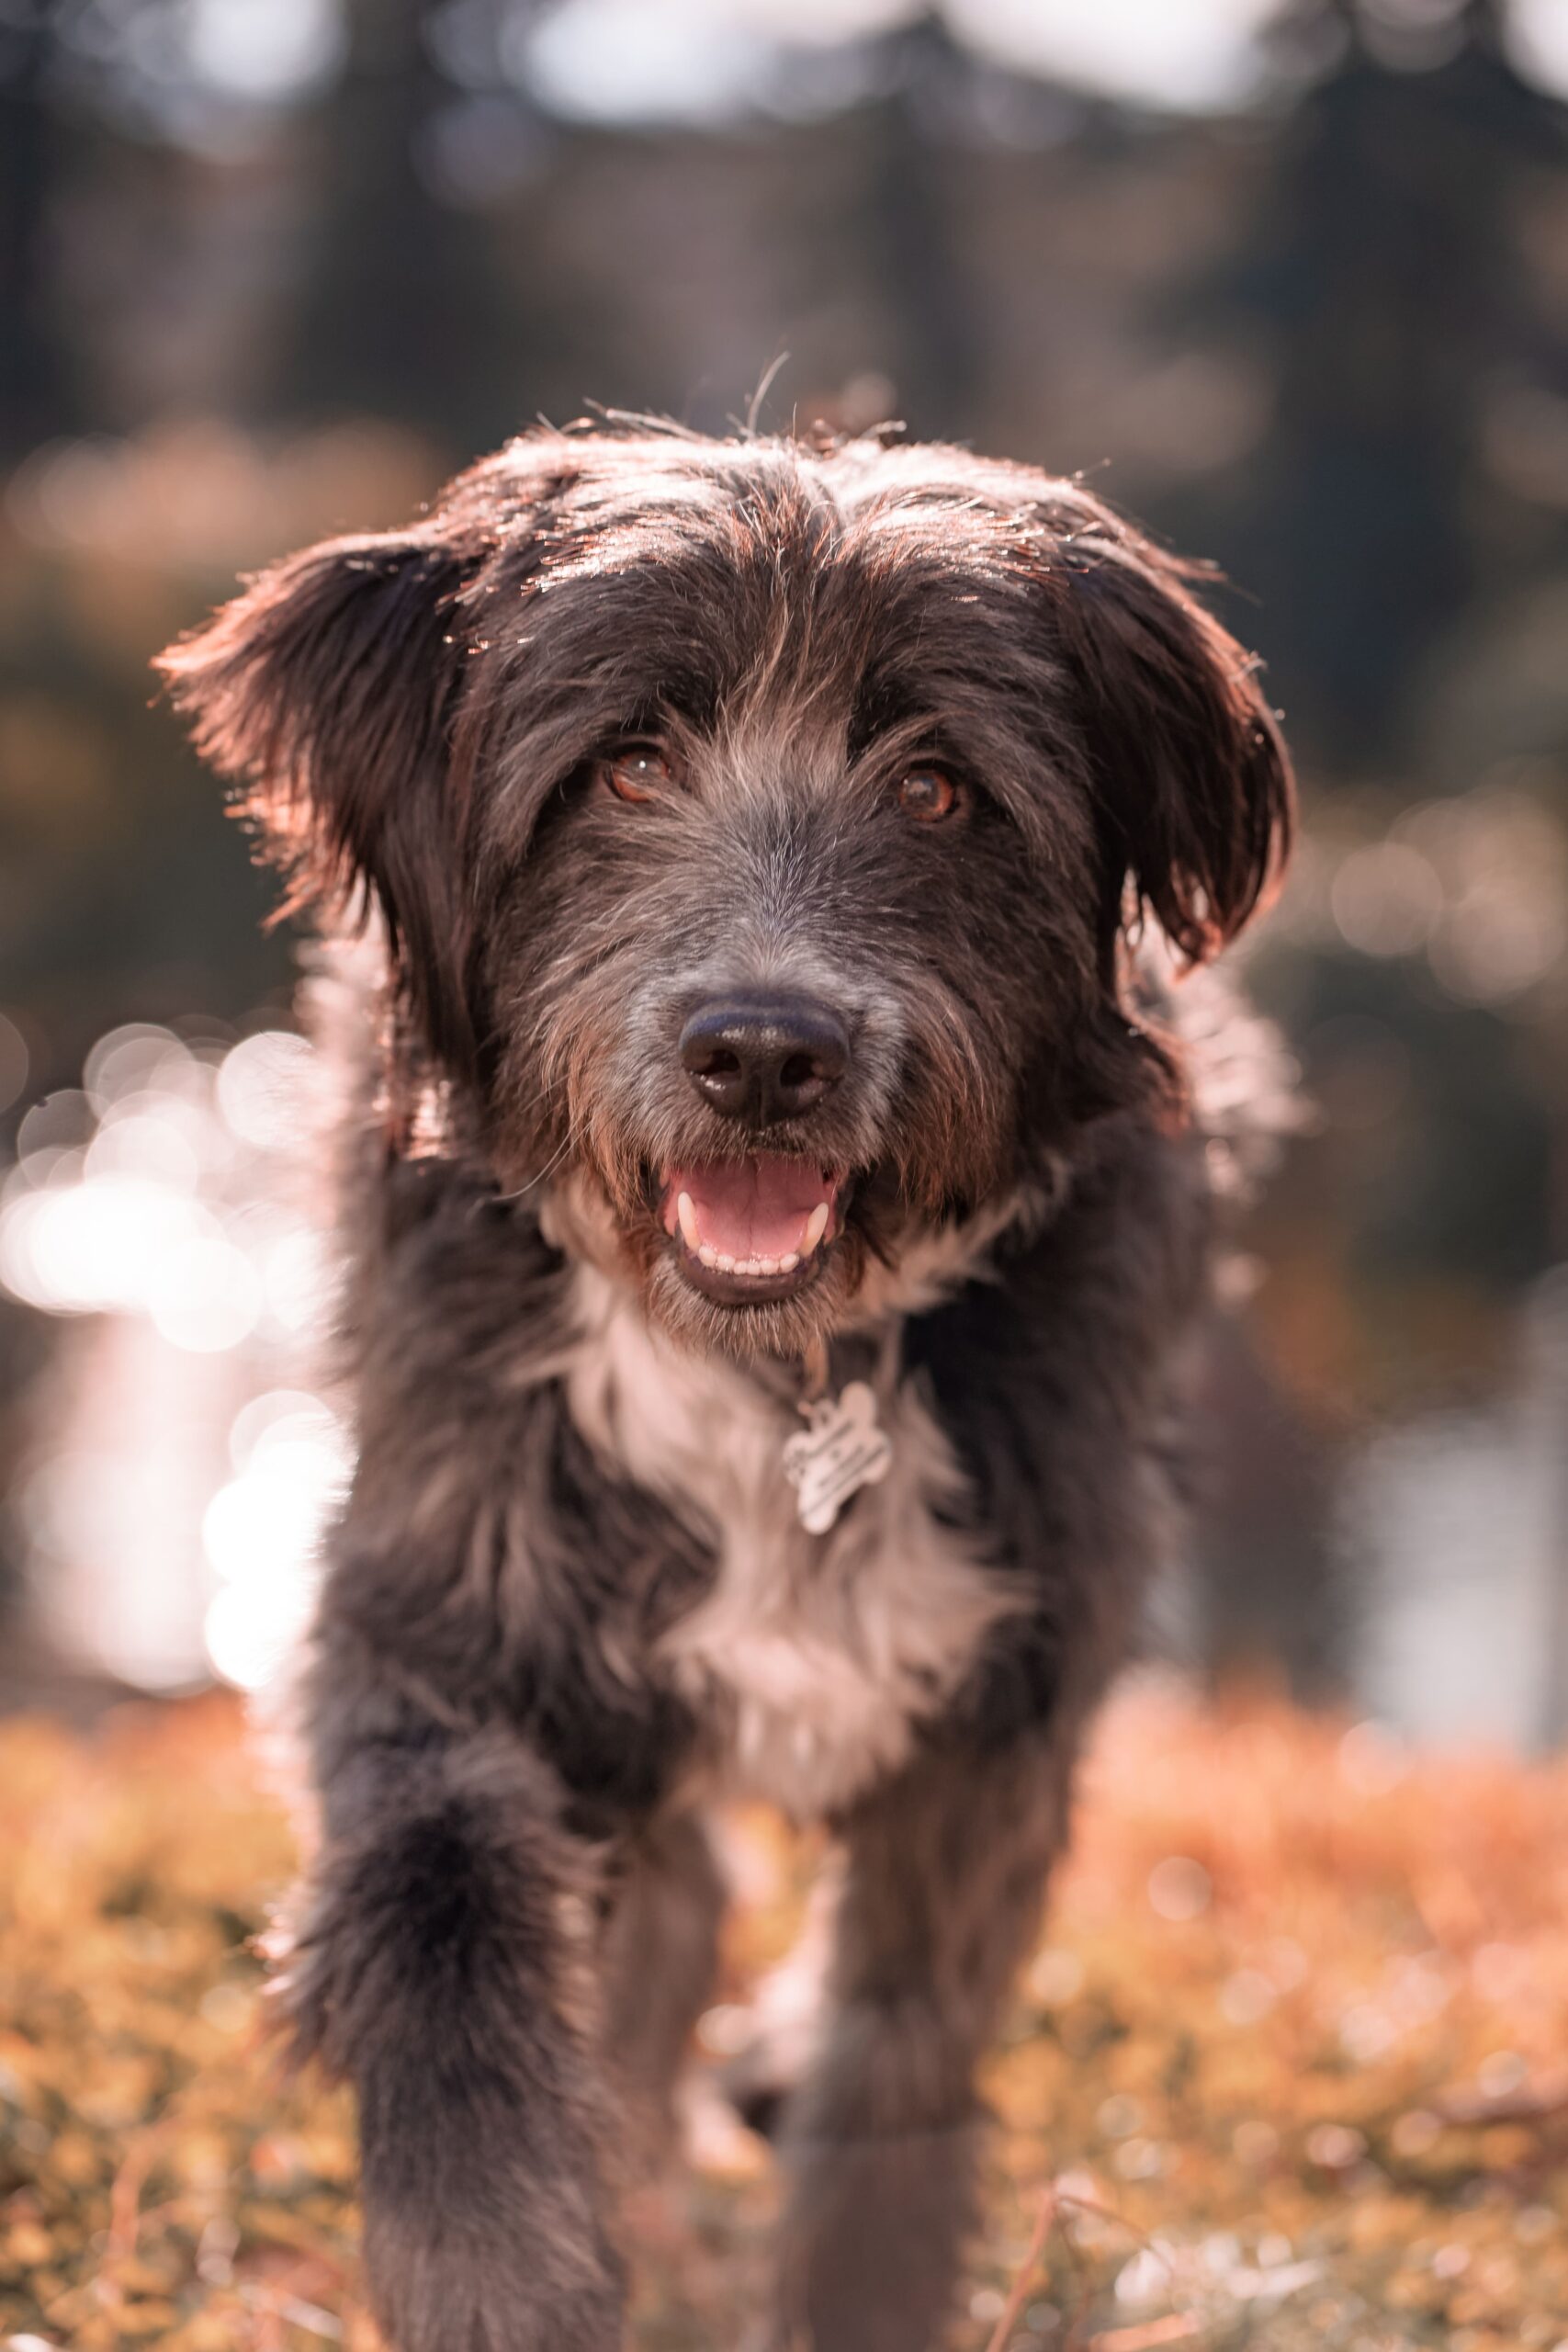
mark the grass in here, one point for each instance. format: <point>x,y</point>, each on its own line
<point>1291,2068</point>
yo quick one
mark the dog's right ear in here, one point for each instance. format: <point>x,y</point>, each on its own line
<point>328,691</point>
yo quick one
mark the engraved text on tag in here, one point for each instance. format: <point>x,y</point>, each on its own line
<point>841,1450</point>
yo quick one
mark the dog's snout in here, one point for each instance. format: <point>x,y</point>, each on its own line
<point>764,1060</point>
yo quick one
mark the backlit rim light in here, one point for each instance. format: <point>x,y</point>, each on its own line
<point>165,1196</point>
<point>262,1530</point>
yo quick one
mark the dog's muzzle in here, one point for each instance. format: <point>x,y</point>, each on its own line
<point>749,1231</point>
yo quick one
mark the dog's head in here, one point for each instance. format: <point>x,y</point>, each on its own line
<point>756,830</point>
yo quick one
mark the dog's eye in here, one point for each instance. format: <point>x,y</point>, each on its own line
<point>928,794</point>
<point>637,772</point>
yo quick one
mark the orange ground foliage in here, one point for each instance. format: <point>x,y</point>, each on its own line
<point>1291,2068</point>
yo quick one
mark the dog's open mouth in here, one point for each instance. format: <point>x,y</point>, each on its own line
<point>750,1229</point>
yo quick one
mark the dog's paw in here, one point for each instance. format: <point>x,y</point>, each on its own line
<point>453,2295</point>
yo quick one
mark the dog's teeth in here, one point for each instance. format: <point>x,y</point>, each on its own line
<point>816,1227</point>
<point>788,1263</point>
<point>767,1265</point>
<point>724,1262</point>
<point>710,1256</point>
<point>690,1232</point>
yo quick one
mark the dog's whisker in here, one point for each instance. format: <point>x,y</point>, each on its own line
<point>534,1182</point>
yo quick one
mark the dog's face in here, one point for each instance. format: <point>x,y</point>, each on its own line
<point>754,829</point>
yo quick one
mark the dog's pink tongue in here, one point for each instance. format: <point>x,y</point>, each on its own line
<point>751,1208</point>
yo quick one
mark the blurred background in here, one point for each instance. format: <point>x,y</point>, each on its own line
<point>1289,279</point>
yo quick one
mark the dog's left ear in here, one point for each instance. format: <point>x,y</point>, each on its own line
<point>328,690</point>
<point>1195,796</point>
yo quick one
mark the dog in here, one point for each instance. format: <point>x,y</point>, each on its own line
<point>776,1215</point>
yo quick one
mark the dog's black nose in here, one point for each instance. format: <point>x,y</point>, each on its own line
<point>763,1060</point>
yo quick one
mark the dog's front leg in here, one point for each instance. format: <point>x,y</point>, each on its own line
<point>442,1968</point>
<point>946,1869</point>
<point>660,1953</point>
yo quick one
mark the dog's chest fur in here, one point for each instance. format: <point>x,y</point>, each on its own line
<point>811,1658</point>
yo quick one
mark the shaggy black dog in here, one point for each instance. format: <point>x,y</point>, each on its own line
<point>778,1217</point>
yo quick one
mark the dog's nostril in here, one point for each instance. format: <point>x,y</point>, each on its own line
<point>764,1060</point>
<point>712,1062</point>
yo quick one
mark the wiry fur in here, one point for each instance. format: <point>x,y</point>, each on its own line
<point>569,1597</point>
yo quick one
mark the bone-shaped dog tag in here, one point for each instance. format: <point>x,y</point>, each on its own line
<point>841,1452</point>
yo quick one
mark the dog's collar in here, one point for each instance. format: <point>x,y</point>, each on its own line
<point>827,1369</point>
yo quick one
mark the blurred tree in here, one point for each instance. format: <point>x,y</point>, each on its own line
<point>36,396</point>
<point>401,311</point>
<point>1384,269</point>
<point>1267,1587</point>
<point>904,229</point>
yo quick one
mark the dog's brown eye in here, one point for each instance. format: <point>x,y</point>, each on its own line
<point>928,794</point>
<point>637,772</point>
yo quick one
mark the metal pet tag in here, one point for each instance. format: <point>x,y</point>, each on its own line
<point>841,1450</point>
